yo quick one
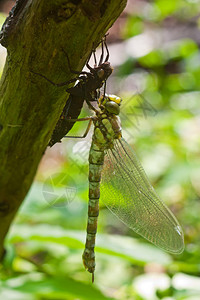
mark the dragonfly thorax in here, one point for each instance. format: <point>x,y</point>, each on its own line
<point>107,122</point>
<point>107,129</point>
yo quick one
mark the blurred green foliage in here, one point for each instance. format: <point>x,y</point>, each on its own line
<point>46,241</point>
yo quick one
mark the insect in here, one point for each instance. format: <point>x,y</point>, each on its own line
<point>86,89</point>
<point>114,168</point>
<point>125,189</point>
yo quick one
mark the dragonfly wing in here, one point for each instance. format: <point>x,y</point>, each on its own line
<point>127,192</point>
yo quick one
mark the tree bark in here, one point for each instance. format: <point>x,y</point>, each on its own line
<point>34,35</point>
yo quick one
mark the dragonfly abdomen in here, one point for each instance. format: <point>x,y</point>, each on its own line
<point>96,158</point>
<point>107,128</point>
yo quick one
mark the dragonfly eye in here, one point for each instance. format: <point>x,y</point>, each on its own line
<point>112,107</point>
<point>101,73</point>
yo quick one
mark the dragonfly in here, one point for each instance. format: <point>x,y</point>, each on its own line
<point>116,173</point>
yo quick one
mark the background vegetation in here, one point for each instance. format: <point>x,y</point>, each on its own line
<point>154,48</point>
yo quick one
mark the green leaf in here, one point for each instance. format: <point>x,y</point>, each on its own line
<point>54,288</point>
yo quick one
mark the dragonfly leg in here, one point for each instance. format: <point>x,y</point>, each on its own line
<point>95,59</point>
<point>103,44</point>
<point>70,68</point>
<point>87,62</point>
<point>102,53</point>
<point>65,82</point>
<point>87,129</point>
<point>108,54</point>
<point>56,84</point>
<point>91,106</point>
<point>104,89</point>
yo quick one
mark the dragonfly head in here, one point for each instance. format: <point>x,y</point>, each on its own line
<point>110,103</point>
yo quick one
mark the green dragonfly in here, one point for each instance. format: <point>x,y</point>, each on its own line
<point>115,171</point>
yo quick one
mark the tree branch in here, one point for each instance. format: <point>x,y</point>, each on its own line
<point>34,35</point>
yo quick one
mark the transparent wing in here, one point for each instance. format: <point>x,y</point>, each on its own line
<point>127,192</point>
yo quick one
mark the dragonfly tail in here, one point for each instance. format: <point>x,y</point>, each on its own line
<point>96,158</point>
